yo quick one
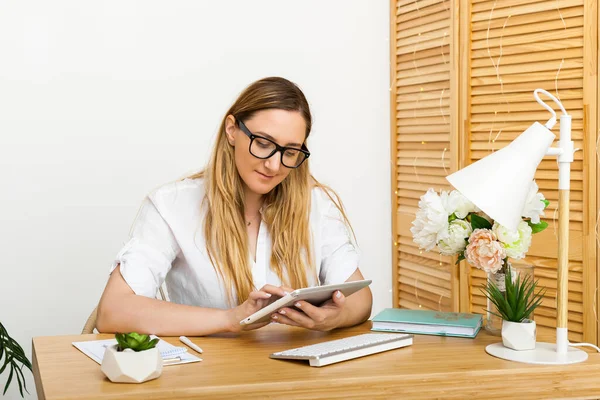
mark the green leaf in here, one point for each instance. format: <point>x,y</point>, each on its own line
<point>7,362</point>
<point>18,375</point>
<point>478,222</point>
<point>537,228</point>
<point>135,341</point>
<point>137,337</point>
<point>519,299</point>
<point>19,354</point>
<point>461,256</point>
<point>12,370</point>
<point>497,297</point>
<point>546,203</point>
<point>13,355</point>
<point>121,341</point>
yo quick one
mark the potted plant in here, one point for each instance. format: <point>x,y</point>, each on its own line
<point>515,305</point>
<point>13,355</point>
<point>134,359</point>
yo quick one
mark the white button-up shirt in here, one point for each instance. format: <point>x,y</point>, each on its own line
<point>167,245</point>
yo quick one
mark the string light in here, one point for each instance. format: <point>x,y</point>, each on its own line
<point>415,168</point>
<point>554,222</point>
<point>496,65</point>
<point>420,37</point>
<point>417,291</point>
<point>565,49</point>
<point>596,229</point>
<point>443,162</point>
<point>415,62</point>
<point>594,304</point>
<point>441,104</point>
<point>597,233</point>
<point>442,48</point>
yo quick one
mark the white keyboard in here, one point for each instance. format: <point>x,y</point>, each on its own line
<point>333,351</point>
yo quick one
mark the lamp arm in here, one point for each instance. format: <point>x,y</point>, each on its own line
<point>552,121</point>
<point>565,148</point>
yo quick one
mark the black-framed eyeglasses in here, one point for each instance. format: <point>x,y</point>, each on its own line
<point>263,148</point>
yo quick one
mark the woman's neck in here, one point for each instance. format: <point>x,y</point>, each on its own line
<point>253,203</point>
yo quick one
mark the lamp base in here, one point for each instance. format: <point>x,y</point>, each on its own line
<point>544,354</point>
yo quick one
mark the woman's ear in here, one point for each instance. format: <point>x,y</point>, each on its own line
<point>230,129</point>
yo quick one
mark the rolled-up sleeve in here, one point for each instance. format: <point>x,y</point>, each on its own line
<point>340,255</point>
<point>148,255</point>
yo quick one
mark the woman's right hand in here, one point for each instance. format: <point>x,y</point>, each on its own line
<point>256,300</point>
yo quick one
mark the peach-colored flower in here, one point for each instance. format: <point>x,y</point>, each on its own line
<point>484,251</point>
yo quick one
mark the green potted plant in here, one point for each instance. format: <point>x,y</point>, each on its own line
<point>134,359</point>
<point>515,305</point>
<point>13,355</point>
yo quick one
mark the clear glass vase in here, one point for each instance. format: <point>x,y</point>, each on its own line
<point>493,323</point>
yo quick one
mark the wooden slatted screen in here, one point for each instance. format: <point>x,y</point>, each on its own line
<point>462,81</point>
<point>422,147</point>
<point>517,46</point>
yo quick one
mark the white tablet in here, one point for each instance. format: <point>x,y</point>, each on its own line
<point>314,295</point>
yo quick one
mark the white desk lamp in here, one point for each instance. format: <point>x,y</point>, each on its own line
<point>498,184</point>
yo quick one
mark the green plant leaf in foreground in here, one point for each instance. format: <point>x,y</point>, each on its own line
<point>13,355</point>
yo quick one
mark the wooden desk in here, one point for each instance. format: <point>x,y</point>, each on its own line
<point>238,367</point>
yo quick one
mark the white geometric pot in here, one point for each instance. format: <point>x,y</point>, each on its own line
<point>519,335</point>
<point>131,366</point>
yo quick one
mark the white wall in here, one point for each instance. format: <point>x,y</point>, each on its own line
<point>100,102</point>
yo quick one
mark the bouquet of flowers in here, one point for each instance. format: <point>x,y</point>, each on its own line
<point>457,227</point>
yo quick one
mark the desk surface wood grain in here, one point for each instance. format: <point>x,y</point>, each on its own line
<point>237,366</point>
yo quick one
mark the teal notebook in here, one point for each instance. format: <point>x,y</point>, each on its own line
<point>427,322</point>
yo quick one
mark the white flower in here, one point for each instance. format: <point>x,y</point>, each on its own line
<point>431,223</point>
<point>458,231</point>
<point>459,205</point>
<point>534,204</point>
<point>515,243</point>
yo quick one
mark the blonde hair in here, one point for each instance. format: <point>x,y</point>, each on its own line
<point>286,209</point>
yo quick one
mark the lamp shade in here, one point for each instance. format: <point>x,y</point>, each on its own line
<point>499,183</point>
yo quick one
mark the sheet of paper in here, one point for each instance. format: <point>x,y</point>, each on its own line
<point>95,349</point>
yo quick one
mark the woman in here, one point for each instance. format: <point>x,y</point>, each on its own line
<point>254,218</point>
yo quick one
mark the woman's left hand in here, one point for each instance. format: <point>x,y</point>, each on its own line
<point>323,318</point>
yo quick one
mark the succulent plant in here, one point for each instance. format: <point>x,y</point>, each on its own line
<point>134,341</point>
<point>518,301</point>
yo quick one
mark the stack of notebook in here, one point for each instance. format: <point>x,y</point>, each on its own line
<point>427,322</point>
